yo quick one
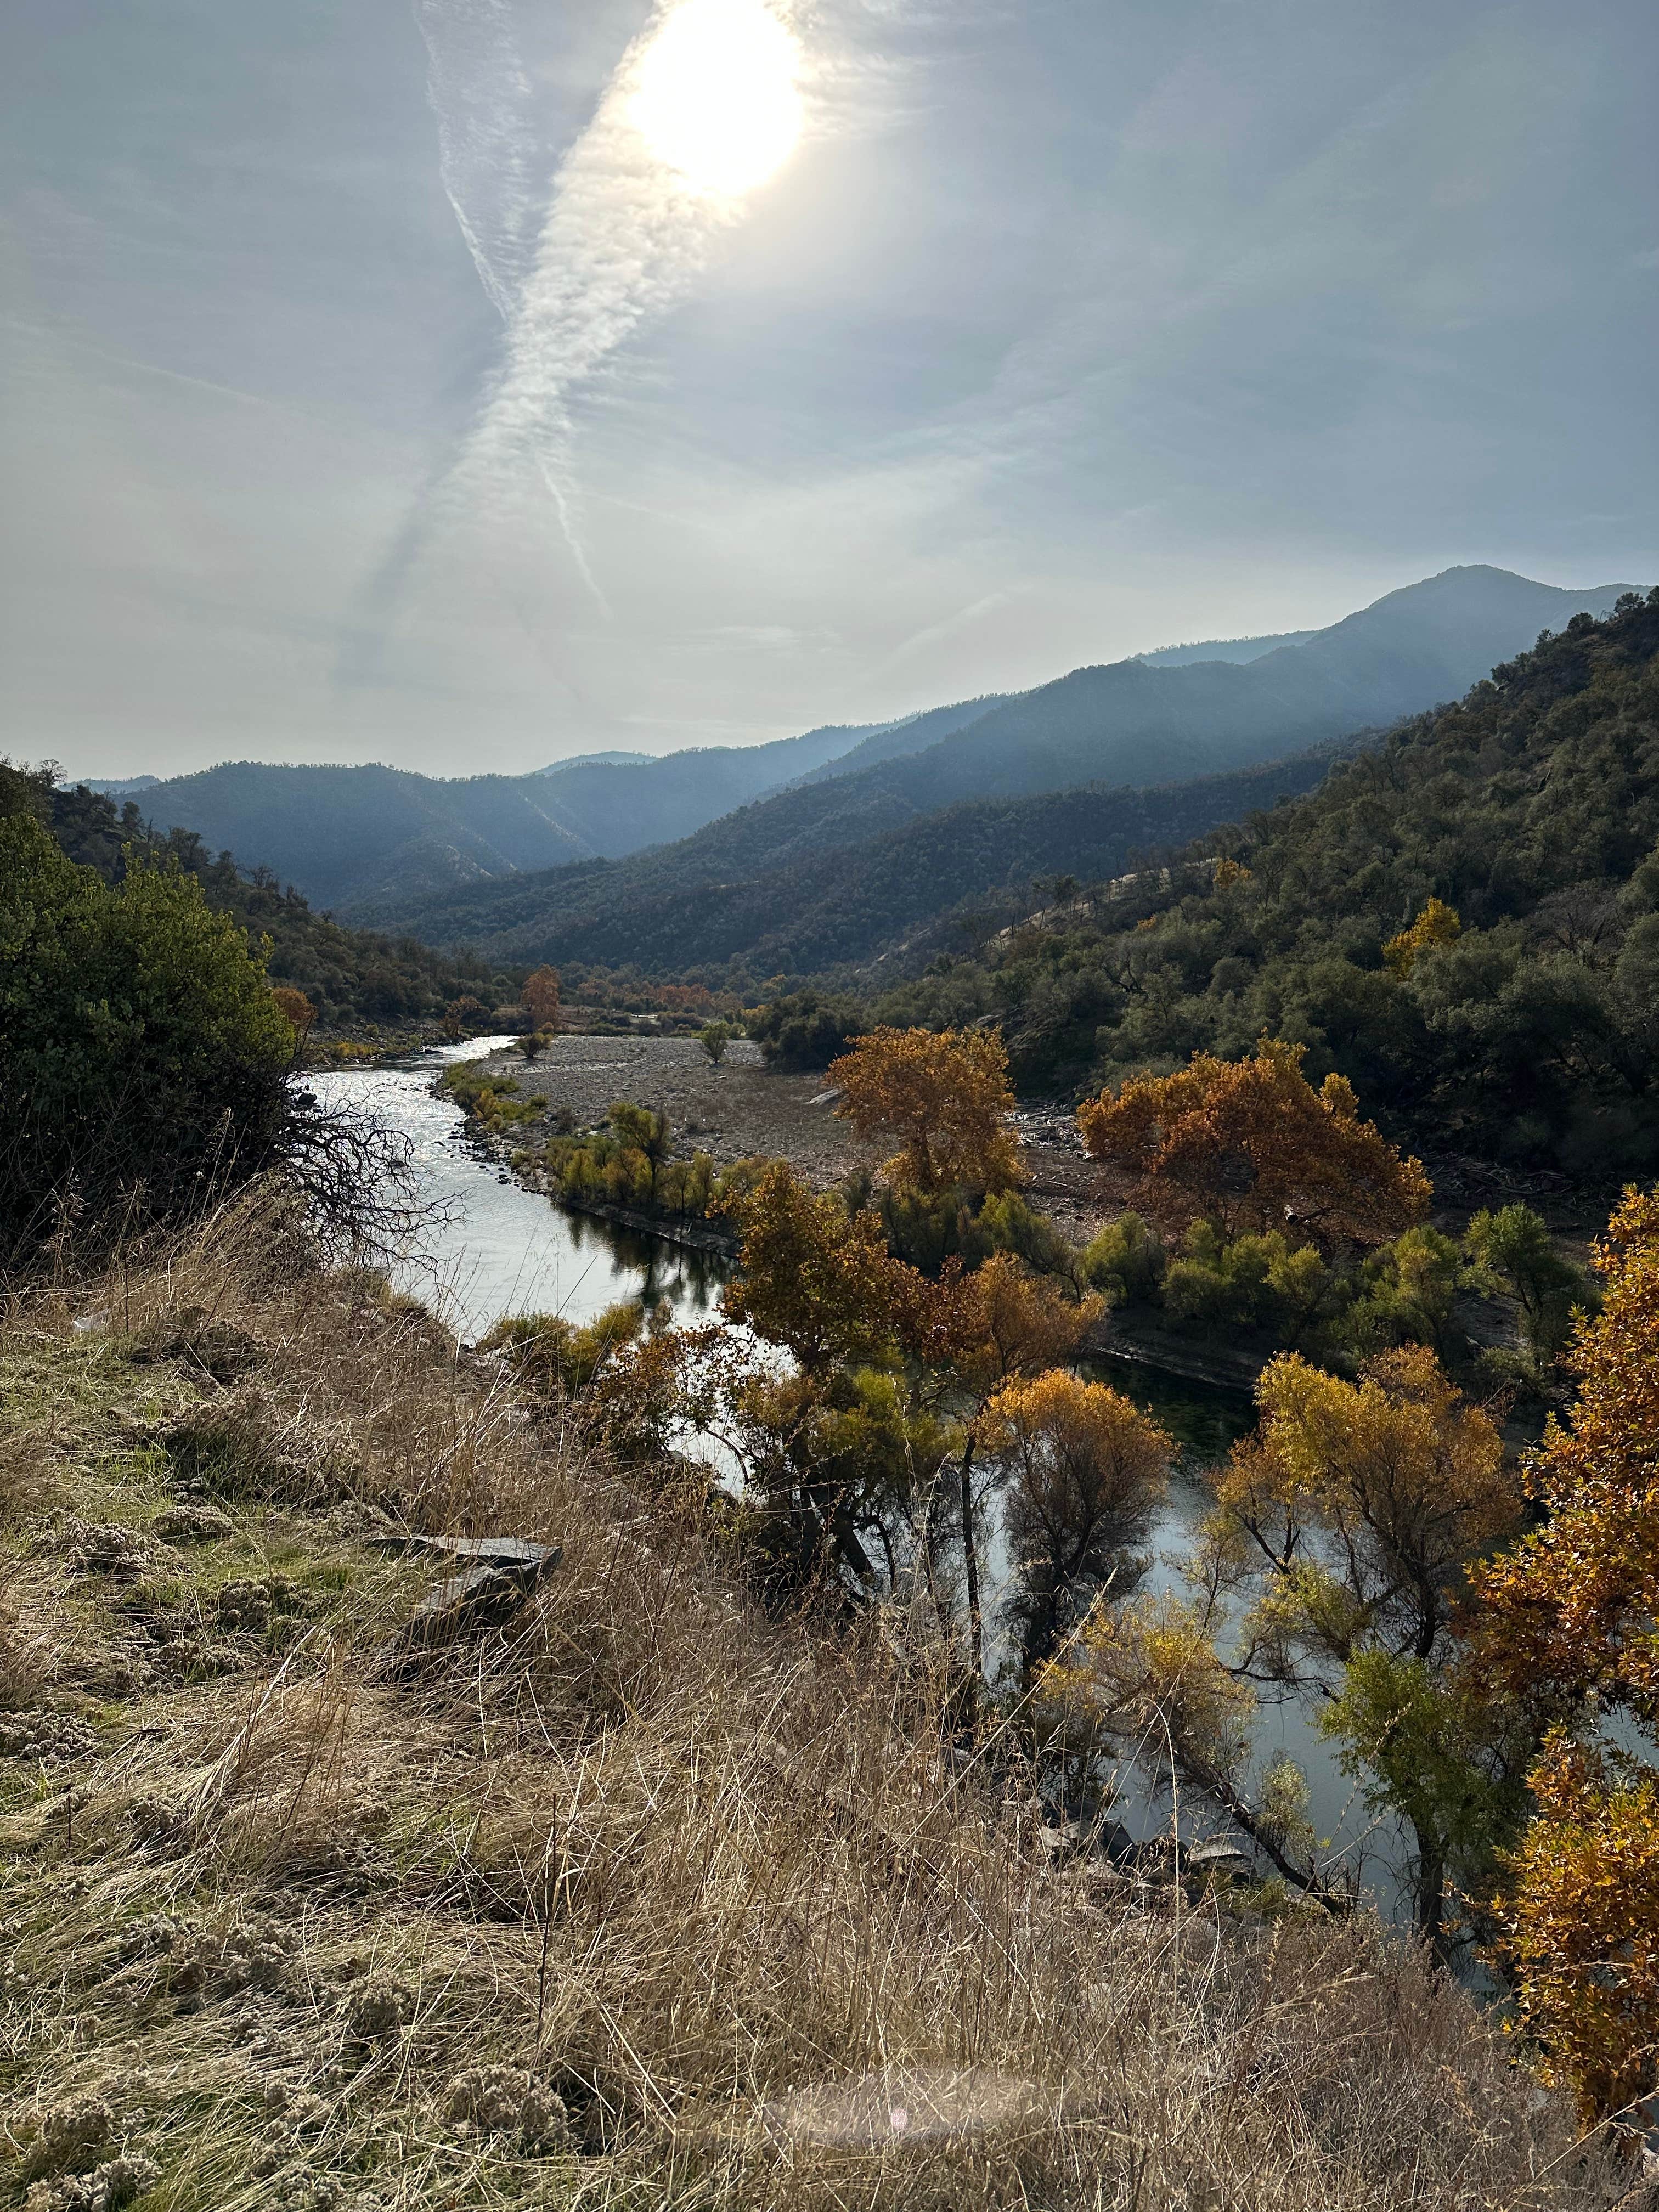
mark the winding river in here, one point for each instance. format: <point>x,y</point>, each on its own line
<point>490,1248</point>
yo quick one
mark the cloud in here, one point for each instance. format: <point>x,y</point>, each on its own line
<point>623,236</point>
<point>481,96</point>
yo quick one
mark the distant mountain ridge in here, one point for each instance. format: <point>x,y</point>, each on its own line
<point>384,843</point>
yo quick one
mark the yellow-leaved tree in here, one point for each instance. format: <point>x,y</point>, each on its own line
<point>1088,1470</point>
<point>1438,924</point>
<point>1331,1567</point>
<point>1252,1145</point>
<point>944,1094</point>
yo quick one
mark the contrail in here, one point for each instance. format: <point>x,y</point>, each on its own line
<point>481,99</point>
<point>623,236</point>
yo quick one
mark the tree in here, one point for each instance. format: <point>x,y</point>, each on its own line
<point>1568,1625</point>
<point>144,1058</point>
<point>1513,1250</point>
<point>714,1037</point>
<point>1350,1519</point>
<point>815,1279</point>
<point>1089,1470</point>
<point>1252,1145</point>
<point>1438,924</point>
<point>647,1130</point>
<point>464,1016</point>
<point>944,1094</point>
<point>295,1009</point>
<point>974,1332</point>
<point>540,996</point>
<point>532,1046</point>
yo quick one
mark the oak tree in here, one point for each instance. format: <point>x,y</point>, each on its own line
<point>1252,1145</point>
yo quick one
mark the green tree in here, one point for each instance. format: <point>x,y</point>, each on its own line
<point>144,1060</point>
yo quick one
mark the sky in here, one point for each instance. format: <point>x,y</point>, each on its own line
<point>471,383</point>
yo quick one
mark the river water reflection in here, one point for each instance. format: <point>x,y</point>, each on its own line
<point>490,1248</point>
<point>493,1248</point>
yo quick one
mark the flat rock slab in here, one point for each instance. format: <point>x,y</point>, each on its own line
<point>509,1554</point>
<point>497,1575</point>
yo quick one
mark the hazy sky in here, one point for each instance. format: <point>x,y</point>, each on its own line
<point>473,382</point>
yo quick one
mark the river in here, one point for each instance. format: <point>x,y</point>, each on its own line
<point>490,1248</point>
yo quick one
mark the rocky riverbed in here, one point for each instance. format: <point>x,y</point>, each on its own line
<point>742,1108</point>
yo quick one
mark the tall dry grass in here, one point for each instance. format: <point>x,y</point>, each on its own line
<point>643,1898</point>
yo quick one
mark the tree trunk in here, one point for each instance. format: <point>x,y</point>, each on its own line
<point>970,1564</point>
<point>1431,1892</point>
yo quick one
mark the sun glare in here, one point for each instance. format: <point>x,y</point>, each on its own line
<point>715,99</point>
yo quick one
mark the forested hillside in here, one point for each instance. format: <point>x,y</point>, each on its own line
<point>1521,1015</point>
<point>367,839</point>
<point>801,885</point>
<point>353,977</point>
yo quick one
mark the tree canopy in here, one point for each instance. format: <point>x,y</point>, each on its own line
<point>144,1057</point>
<point>944,1094</point>
<point>1252,1145</point>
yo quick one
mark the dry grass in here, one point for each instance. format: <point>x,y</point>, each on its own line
<point>641,1900</point>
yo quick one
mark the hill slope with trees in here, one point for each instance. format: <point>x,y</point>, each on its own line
<point>353,977</point>
<point>1517,1016</point>
<point>844,883</point>
<point>1126,725</point>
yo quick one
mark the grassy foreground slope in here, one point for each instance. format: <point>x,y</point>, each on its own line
<point>633,1897</point>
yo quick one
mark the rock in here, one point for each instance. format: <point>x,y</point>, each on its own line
<point>499,1575</point>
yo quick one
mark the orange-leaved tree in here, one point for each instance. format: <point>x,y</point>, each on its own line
<point>295,1009</point>
<point>1569,1621</point>
<point>944,1094</point>
<point>540,996</point>
<point>1252,1145</point>
<point>830,1442</point>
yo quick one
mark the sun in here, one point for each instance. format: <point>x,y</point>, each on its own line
<point>715,98</point>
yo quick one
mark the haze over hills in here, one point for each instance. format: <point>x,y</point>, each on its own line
<point>1110,732</point>
<point>385,843</point>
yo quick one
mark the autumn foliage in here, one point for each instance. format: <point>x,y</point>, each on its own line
<point>815,1279</point>
<point>295,1009</point>
<point>1251,1144</point>
<point>1570,1617</point>
<point>943,1096</point>
<point>1438,924</point>
<point>541,997</point>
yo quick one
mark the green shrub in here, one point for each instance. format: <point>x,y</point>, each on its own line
<point>1126,1262</point>
<point>1254,1282</point>
<point>806,1029</point>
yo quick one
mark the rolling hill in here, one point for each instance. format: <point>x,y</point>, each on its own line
<point>1118,731</point>
<point>386,845</point>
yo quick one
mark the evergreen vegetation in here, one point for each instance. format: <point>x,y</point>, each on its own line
<point>353,978</point>
<point>1527,816</point>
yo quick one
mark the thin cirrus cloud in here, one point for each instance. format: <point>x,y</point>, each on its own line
<point>701,109</point>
